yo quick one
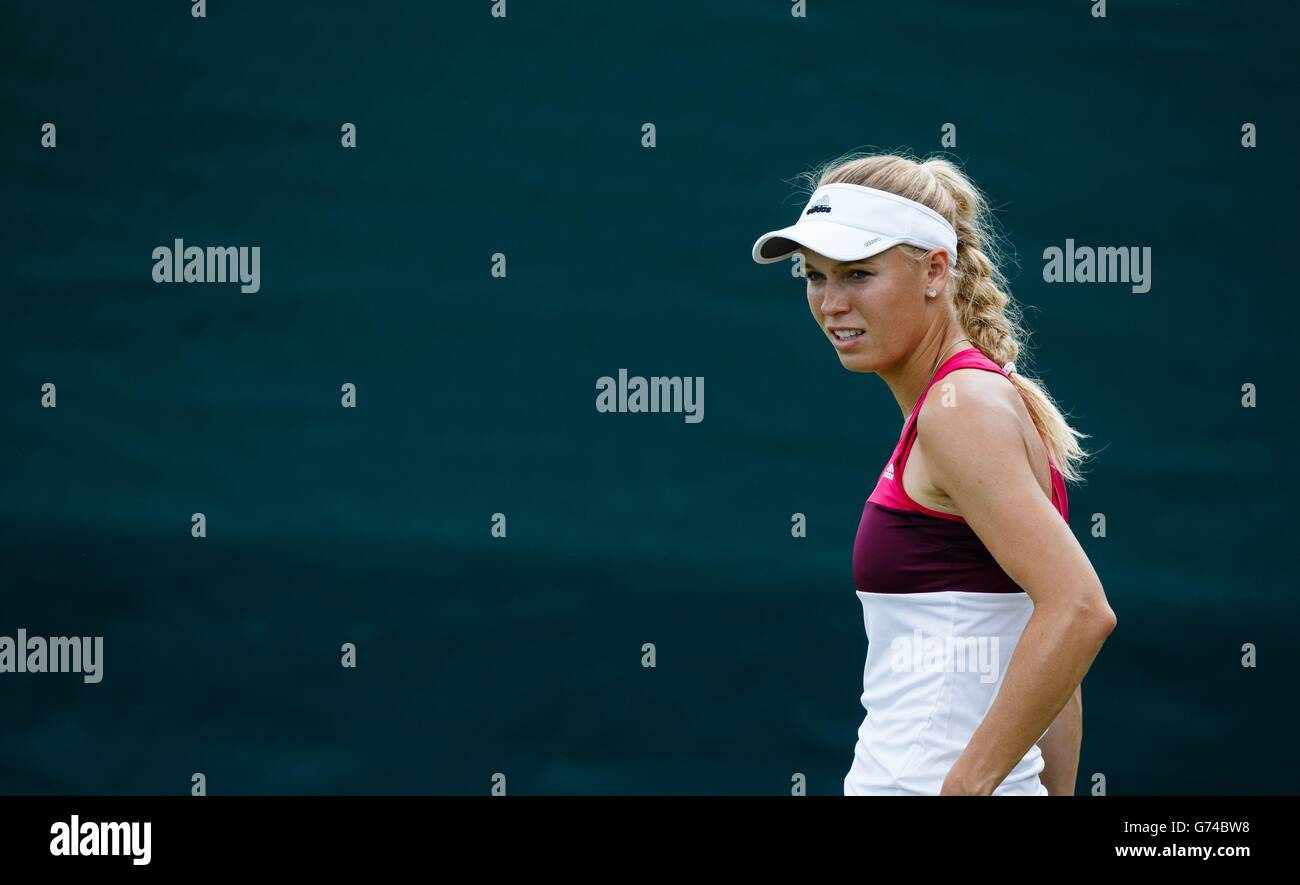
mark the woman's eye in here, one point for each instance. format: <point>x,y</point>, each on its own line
<point>817,276</point>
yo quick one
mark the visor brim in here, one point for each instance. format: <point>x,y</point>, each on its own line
<point>837,242</point>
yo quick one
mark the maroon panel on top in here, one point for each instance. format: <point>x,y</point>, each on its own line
<point>902,551</point>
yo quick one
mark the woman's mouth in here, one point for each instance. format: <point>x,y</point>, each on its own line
<point>846,339</point>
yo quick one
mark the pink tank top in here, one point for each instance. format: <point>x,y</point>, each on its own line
<point>905,547</point>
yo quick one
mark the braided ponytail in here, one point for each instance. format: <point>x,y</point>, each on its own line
<point>988,316</point>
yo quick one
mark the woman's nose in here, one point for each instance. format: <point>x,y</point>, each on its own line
<point>834,298</point>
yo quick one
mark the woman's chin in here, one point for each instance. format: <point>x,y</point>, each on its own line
<point>859,360</point>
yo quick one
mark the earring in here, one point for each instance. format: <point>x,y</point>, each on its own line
<point>930,293</point>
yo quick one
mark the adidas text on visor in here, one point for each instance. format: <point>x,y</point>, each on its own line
<point>849,222</point>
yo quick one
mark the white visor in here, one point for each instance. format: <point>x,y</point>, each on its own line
<point>849,222</point>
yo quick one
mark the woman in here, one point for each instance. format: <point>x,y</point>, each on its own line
<point>964,554</point>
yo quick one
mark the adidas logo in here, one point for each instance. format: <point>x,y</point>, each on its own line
<point>822,205</point>
<point>889,471</point>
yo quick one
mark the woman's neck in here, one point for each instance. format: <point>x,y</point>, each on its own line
<point>909,378</point>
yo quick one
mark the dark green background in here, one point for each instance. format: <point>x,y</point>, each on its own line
<point>522,136</point>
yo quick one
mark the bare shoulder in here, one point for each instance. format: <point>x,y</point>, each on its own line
<point>975,420</point>
<point>972,400</point>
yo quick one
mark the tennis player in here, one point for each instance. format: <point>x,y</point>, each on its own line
<point>982,612</point>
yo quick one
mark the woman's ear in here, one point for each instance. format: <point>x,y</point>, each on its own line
<point>936,270</point>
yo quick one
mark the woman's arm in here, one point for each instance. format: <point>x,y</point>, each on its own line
<point>975,454</point>
<point>1060,746</point>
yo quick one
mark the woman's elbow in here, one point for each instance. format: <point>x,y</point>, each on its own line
<point>1097,616</point>
<point>1106,621</point>
<point>1088,614</point>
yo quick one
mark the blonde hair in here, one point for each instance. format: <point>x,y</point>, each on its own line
<point>988,316</point>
